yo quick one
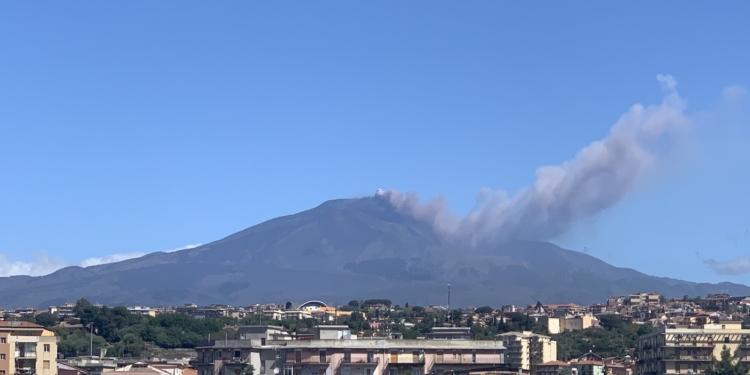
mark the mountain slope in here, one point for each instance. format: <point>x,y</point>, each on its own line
<point>342,250</point>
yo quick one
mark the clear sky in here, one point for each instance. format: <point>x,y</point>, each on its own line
<point>132,127</point>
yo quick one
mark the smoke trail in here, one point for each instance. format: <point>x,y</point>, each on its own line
<point>598,177</point>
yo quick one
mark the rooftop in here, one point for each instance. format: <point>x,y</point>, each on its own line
<point>21,324</point>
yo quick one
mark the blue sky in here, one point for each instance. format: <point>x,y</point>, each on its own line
<point>131,127</point>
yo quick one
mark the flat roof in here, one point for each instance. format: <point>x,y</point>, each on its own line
<point>396,344</point>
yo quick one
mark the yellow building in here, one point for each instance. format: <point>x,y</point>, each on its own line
<point>526,349</point>
<point>27,348</point>
<point>690,349</point>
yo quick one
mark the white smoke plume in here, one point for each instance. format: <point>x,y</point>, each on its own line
<point>598,177</point>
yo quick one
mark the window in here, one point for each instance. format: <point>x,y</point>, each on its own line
<point>219,354</point>
<point>394,371</point>
<point>473,356</point>
<point>2,356</point>
<point>46,348</point>
<point>2,372</point>
<point>237,354</point>
<point>3,340</point>
<point>416,370</point>
<point>347,356</point>
<point>288,370</point>
<point>46,365</point>
<point>368,371</point>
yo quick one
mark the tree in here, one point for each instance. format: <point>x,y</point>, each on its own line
<point>248,370</point>
<point>726,365</point>
<point>46,319</point>
<point>354,304</point>
<point>484,310</point>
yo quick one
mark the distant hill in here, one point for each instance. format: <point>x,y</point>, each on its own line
<point>342,250</point>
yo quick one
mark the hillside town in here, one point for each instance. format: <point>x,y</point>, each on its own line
<point>641,333</point>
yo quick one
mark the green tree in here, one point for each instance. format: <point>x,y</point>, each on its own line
<point>248,370</point>
<point>354,304</point>
<point>727,365</point>
<point>484,310</point>
<point>46,319</point>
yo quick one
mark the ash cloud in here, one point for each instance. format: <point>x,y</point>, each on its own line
<point>599,176</point>
<point>734,267</point>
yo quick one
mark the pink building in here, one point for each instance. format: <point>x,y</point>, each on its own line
<point>335,351</point>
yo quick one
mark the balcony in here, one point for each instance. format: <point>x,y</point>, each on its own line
<point>26,355</point>
<point>688,358</point>
<point>408,359</point>
<point>361,361</point>
<point>690,344</point>
<point>201,361</point>
<point>308,361</point>
<point>237,361</point>
<point>450,360</point>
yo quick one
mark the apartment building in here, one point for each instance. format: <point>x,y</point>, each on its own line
<point>526,349</point>
<point>142,310</point>
<point>643,298</point>
<point>689,349</point>
<point>335,351</point>
<point>27,348</point>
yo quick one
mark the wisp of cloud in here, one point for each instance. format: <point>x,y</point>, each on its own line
<point>598,177</point>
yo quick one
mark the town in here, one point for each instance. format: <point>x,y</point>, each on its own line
<point>642,333</point>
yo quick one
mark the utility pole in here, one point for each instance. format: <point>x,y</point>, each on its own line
<point>450,314</point>
<point>91,348</point>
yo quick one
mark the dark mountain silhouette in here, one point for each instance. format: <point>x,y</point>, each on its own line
<point>343,250</point>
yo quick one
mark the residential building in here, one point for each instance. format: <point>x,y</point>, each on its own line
<point>27,348</point>
<point>554,325</point>
<point>92,365</point>
<point>142,310</point>
<point>715,301</point>
<point>577,323</point>
<point>526,349</point>
<point>689,349</point>
<point>550,368</point>
<point>143,368</point>
<point>587,368</point>
<point>334,350</point>
<point>65,369</point>
<point>65,310</point>
<point>273,314</point>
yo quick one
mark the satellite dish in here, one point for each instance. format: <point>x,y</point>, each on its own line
<point>276,370</point>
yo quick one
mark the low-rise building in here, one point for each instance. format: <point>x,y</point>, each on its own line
<point>142,310</point>
<point>550,368</point>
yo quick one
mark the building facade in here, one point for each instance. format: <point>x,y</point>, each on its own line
<point>333,352</point>
<point>690,349</point>
<point>526,349</point>
<point>27,349</point>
